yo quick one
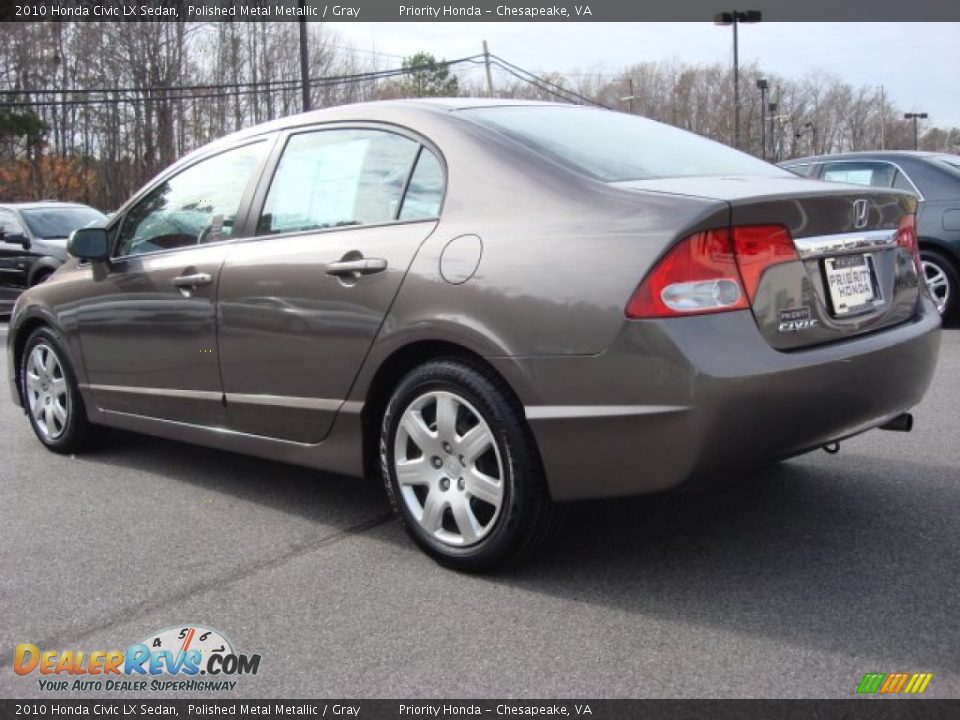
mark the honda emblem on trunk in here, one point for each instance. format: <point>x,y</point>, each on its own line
<point>861,213</point>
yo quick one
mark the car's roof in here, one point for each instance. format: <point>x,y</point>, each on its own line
<point>418,112</point>
<point>864,155</point>
<point>379,110</point>
<point>41,205</point>
<point>461,103</point>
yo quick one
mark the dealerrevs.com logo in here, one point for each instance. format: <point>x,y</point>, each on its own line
<point>177,659</point>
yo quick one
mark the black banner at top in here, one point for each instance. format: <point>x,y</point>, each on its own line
<point>472,10</point>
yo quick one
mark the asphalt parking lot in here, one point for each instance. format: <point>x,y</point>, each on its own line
<point>791,584</point>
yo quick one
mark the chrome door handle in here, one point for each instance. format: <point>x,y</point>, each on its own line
<point>192,280</point>
<point>362,266</point>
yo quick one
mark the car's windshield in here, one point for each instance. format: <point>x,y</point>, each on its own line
<point>59,222</point>
<point>613,146</point>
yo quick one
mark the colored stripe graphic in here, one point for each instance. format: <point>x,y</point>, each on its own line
<point>918,683</point>
<point>871,682</point>
<point>893,683</point>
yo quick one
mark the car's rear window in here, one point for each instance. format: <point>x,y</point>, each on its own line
<point>951,163</point>
<point>59,222</point>
<point>613,146</point>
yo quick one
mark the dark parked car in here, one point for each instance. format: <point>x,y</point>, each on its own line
<point>935,179</point>
<point>496,306</point>
<point>33,243</point>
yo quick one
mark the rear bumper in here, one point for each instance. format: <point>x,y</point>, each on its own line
<point>694,400</point>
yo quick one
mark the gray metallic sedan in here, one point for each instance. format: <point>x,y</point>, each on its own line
<point>496,306</point>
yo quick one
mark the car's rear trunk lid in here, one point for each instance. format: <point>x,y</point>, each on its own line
<point>851,276</point>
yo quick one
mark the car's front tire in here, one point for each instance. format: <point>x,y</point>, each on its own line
<point>461,467</point>
<point>50,394</point>
<point>942,280</point>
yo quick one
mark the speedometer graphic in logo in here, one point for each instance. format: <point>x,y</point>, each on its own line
<point>182,640</point>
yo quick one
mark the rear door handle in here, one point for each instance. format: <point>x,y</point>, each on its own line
<point>192,280</point>
<point>362,266</point>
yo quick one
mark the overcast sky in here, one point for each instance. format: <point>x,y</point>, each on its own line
<point>917,63</point>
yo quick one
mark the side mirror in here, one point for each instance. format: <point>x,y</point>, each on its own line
<point>89,244</point>
<point>15,239</point>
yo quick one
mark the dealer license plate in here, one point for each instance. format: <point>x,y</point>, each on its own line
<point>851,283</point>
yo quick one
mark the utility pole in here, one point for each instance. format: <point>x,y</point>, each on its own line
<point>883,119</point>
<point>630,96</point>
<point>304,60</point>
<point>486,62</point>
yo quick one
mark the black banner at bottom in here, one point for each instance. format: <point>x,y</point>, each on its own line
<point>878,709</point>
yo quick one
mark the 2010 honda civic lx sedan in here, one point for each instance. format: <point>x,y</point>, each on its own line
<point>498,306</point>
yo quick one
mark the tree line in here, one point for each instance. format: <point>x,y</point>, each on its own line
<point>90,111</point>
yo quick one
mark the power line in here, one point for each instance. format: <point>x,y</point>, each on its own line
<point>228,90</point>
<point>225,90</point>
<point>544,84</point>
<point>262,83</point>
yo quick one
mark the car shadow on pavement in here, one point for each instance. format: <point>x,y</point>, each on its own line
<point>854,557</point>
<point>293,489</point>
<point>858,558</point>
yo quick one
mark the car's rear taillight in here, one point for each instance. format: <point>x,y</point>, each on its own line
<point>698,275</point>
<point>907,239</point>
<point>757,248</point>
<point>711,271</point>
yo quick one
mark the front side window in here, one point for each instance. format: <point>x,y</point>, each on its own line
<point>337,178</point>
<point>198,205</point>
<point>860,173</point>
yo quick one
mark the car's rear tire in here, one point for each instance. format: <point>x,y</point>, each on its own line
<point>50,394</point>
<point>461,467</point>
<point>942,280</point>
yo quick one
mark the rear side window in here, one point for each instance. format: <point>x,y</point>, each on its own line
<point>425,192</point>
<point>612,146</point>
<point>900,182</point>
<point>337,178</point>
<point>860,173</point>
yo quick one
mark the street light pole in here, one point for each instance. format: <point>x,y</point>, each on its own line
<point>915,117</point>
<point>735,18</point>
<point>762,85</point>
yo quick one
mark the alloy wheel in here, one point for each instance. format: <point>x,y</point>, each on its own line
<point>48,395</point>
<point>938,282</point>
<point>449,468</point>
